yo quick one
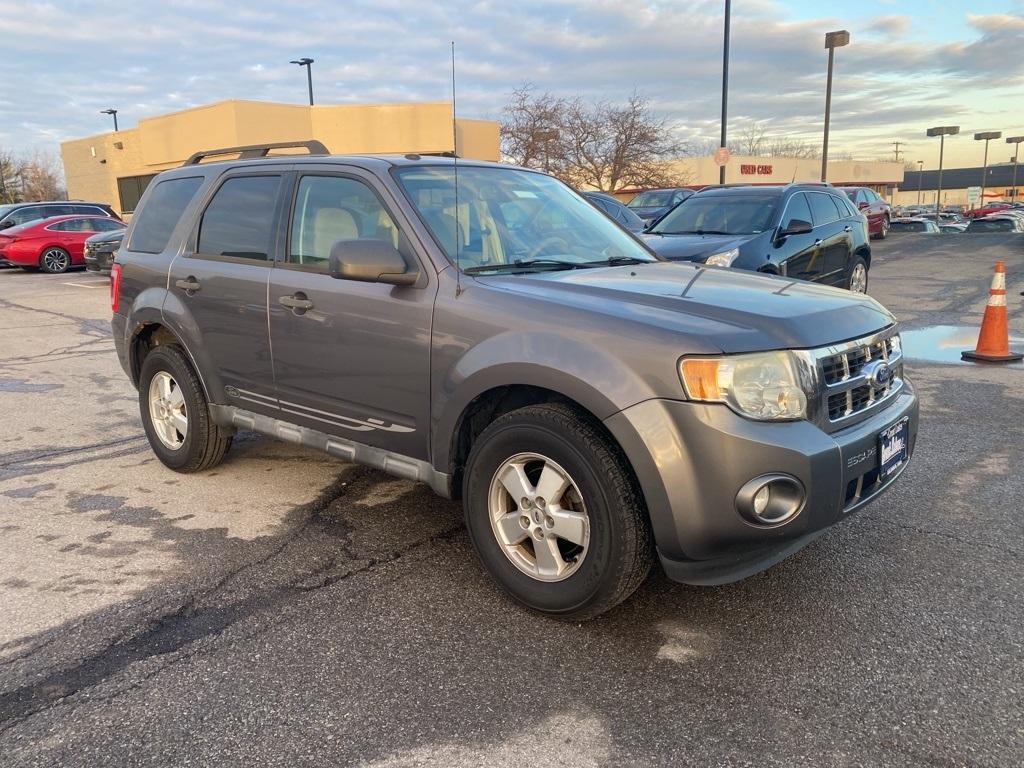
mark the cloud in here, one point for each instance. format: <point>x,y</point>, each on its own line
<point>159,56</point>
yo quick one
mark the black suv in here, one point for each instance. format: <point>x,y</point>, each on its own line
<point>21,213</point>
<point>809,231</point>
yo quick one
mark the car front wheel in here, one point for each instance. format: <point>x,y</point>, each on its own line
<point>555,514</point>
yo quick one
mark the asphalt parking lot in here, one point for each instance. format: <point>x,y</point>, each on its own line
<point>289,609</point>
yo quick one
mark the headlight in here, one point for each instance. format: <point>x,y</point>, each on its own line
<point>723,259</point>
<point>765,385</point>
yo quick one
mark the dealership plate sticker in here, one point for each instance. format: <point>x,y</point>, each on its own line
<point>893,442</point>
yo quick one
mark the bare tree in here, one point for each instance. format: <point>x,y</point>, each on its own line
<point>9,178</point>
<point>40,177</point>
<point>530,128</point>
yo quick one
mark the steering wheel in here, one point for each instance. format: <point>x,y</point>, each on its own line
<point>543,244</point>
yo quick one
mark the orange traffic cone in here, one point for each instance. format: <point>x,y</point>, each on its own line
<point>994,339</point>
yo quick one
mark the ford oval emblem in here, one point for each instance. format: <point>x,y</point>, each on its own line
<point>878,374</point>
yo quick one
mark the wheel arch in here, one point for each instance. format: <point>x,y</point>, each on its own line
<point>148,335</point>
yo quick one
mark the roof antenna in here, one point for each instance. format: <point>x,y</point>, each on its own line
<point>455,169</point>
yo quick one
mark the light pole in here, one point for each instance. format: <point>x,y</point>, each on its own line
<point>920,178</point>
<point>112,113</point>
<point>725,83</point>
<point>942,132</point>
<point>833,40</point>
<point>1016,154</point>
<point>986,137</point>
<point>307,63</point>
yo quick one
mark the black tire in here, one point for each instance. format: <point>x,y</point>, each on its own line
<point>857,261</point>
<point>205,443</point>
<point>54,260</point>
<point>620,549</point>
<point>884,231</point>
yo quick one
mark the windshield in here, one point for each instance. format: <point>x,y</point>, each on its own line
<point>719,215</point>
<point>508,217</point>
<point>655,198</point>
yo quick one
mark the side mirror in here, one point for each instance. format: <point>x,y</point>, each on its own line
<point>862,205</point>
<point>796,227</point>
<point>6,224</point>
<point>370,261</point>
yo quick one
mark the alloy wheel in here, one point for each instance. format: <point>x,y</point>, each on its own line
<point>55,260</point>
<point>167,410</point>
<point>859,279</point>
<point>538,517</point>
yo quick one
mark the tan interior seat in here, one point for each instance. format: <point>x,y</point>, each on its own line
<point>329,226</point>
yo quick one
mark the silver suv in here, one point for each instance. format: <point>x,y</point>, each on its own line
<point>483,329</point>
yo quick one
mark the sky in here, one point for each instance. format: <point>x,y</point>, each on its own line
<point>910,65</point>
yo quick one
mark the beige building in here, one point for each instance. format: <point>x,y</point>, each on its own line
<point>115,167</point>
<point>741,169</point>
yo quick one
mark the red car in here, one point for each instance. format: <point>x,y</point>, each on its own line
<point>54,244</point>
<point>876,210</point>
<point>986,210</point>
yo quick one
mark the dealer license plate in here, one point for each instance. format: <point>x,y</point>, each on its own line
<point>893,443</point>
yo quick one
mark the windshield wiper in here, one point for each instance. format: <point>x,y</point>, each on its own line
<point>524,264</point>
<point>618,261</point>
<point>694,232</point>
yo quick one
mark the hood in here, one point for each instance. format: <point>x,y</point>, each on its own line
<point>693,247</point>
<point>729,310</point>
<point>107,237</point>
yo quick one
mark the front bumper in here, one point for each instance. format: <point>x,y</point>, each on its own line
<point>98,261</point>
<point>691,460</point>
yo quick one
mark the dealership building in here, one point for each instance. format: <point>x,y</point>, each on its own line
<point>116,167</point>
<point>698,172</point>
<point>923,186</point>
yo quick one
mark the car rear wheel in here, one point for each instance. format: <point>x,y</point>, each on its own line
<point>55,260</point>
<point>175,414</point>
<point>857,281</point>
<point>555,514</point>
<point>883,232</point>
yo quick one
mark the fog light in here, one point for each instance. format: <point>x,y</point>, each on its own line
<point>771,500</point>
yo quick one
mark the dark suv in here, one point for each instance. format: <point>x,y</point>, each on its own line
<point>14,214</point>
<point>484,329</point>
<point>808,231</point>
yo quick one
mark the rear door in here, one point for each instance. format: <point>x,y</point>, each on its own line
<point>221,279</point>
<point>354,359</point>
<point>834,235</point>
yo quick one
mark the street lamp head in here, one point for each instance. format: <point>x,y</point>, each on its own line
<point>1015,140</point>
<point>303,62</point>
<point>988,135</point>
<point>108,111</point>
<point>837,39</point>
<point>944,130</point>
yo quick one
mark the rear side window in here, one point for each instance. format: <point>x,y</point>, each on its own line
<point>840,207</point>
<point>158,217</point>
<point>239,220</point>
<point>822,208</point>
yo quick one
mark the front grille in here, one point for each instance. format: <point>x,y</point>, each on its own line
<point>849,391</point>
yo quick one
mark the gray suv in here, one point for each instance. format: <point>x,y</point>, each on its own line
<point>483,329</point>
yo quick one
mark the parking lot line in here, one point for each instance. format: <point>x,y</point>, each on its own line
<point>92,284</point>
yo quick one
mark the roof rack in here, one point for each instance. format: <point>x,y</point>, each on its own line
<point>253,151</point>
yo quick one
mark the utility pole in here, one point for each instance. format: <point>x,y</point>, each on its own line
<point>725,83</point>
<point>920,178</point>
<point>898,144</point>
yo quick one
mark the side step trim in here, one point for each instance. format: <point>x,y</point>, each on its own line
<point>340,447</point>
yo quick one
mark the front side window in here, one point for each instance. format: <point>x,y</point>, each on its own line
<point>822,208</point>
<point>503,217</point>
<point>798,210</point>
<point>156,221</point>
<point>239,221</point>
<point>734,214</point>
<point>332,208</point>
<point>31,213</point>
<point>655,198</point>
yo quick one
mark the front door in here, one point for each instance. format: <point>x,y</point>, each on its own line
<point>221,284</point>
<point>350,358</point>
<point>797,255</point>
<point>834,234</point>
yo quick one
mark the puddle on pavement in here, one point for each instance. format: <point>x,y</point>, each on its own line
<point>944,343</point>
<point>21,385</point>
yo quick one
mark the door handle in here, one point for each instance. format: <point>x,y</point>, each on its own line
<point>298,303</point>
<point>817,242</point>
<point>847,228</point>
<point>189,285</point>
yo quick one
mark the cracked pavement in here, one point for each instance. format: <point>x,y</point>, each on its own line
<point>289,609</point>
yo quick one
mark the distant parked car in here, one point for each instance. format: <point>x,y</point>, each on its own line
<point>100,249</point>
<point>617,211</point>
<point>877,210</point>
<point>21,213</point>
<point>952,229</point>
<point>996,223</point>
<point>920,225</point>
<point>55,244</point>
<point>652,204</point>
<point>805,231</point>
<point>985,210</point>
